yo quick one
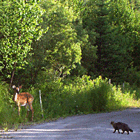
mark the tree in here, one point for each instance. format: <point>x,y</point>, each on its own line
<point>87,39</point>
<point>20,25</point>
<point>96,22</point>
<point>125,25</point>
<point>62,49</point>
<point>113,22</point>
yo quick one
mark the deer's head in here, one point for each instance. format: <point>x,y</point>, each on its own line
<point>17,89</point>
<point>16,92</point>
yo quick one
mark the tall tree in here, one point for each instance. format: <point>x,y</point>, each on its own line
<point>62,49</point>
<point>20,25</point>
<point>89,51</point>
<point>96,20</point>
<point>125,25</point>
<point>113,21</point>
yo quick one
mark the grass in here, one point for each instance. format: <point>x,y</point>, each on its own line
<point>72,97</point>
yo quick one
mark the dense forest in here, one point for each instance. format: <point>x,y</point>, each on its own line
<point>69,49</point>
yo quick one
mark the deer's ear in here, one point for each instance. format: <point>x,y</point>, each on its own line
<point>20,87</point>
<point>13,86</point>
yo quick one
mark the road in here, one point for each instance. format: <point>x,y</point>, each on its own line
<point>82,127</point>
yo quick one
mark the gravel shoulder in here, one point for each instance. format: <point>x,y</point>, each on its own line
<point>82,127</point>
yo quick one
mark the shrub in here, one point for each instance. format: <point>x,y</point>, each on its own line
<point>60,98</point>
<point>7,114</point>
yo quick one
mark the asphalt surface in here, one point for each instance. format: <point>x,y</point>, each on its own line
<point>83,127</point>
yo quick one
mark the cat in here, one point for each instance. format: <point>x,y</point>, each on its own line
<point>120,125</point>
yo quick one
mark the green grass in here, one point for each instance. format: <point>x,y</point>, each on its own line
<point>66,98</point>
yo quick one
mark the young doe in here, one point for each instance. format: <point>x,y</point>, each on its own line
<point>23,99</point>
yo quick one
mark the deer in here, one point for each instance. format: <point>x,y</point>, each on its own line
<point>23,99</point>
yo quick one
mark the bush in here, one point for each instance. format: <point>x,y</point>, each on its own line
<point>7,114</point>
<point>99,94</point>
<point>81,95</point>
<point>60,98</point>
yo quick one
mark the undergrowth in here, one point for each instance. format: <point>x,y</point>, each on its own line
<point>65,98</point>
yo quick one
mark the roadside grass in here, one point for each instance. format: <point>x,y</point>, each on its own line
<point>81,95</point>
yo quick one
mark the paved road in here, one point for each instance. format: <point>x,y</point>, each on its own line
<point>83,127</point>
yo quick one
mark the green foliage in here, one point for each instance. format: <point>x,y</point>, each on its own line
<point>99,94</point>
<point>88,37</point>
<point>81,96</point>
<point>6,107</point>
<point>20,25</point>
<point>62,49</point>
<point>133,76</point>
<point>60,98</point>
<point>65,43</point>
<point>115,25</point>
<point>93,37</point>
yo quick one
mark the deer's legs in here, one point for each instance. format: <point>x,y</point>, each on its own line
<point>19,110</point>
<point>32,113</point>
<point>27,107</point>
<point>32,110</point>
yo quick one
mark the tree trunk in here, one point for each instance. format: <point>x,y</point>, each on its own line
<point>12,75</point>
